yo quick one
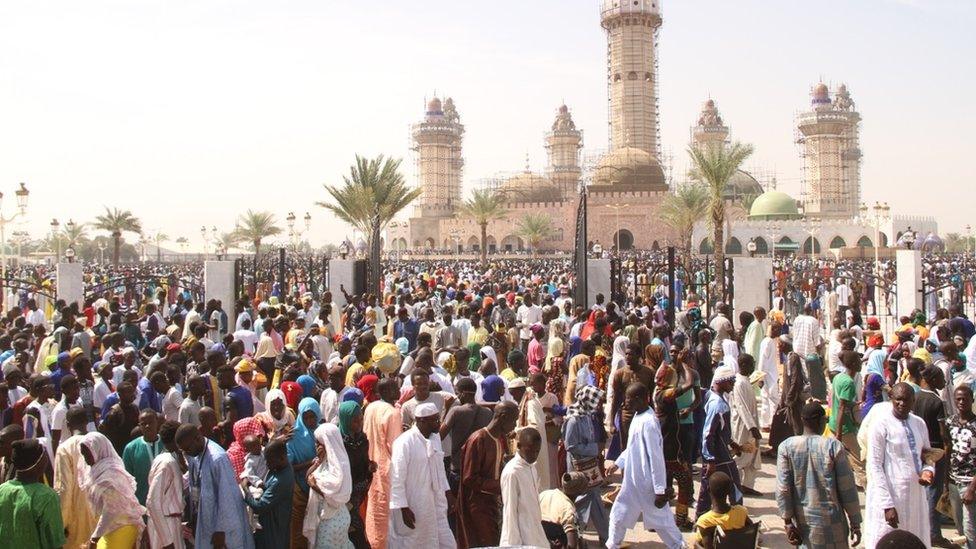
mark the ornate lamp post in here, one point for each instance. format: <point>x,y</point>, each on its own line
<point>772,229</point>
<point>55,225</point>
<point>22,194</point>
<point>456,237</point>
<point>879,214</point>
<point>812,227</point>
<point>101,251</point>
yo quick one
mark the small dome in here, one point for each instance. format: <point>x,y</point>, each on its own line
<point>820,90</point>
<point>932,243</point>
<point>772,205</point>
<point>529,187</point>
<point>434,106</point>
<point>631,169</point>
<point>710,104</point>
<point>563,109</point>
<point>742,184</point>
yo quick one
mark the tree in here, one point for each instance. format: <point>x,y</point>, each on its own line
<point>682,209</point>
<point>714,167</point>
<point>158,238</point>
<point>115,222</point>
<point>535,228</point>
<point>254,227</point>
<point>75,234</point>
<point>228,240</point>
<point>483,207</point>
<point>369,198</point>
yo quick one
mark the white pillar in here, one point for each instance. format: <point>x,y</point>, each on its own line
<point>71,284</point>
<point>218,283</point>
<point>349,274</point>
<point>909,268</point>
<point>597,280</point>
<point>751,279</point>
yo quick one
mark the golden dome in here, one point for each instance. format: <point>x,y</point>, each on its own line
<point>434,106</point>
<point>529,187</point>
<point>630,169</point>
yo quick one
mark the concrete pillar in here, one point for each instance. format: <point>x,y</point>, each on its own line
<point>909,268</point>
<point>71,283</point>
<point>349,274</point>
<point>751,278</point>
<point>597,280</point>
<point>218,283</point>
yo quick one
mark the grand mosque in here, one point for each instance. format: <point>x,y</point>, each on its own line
<point>626,185</point>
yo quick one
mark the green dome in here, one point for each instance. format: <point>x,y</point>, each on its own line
<point>773,205</point>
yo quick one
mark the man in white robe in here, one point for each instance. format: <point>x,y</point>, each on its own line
<point>418,486</point>
<point>745,426</point>
<point>642,462</point>
<point>532,414</point>
<point>769,366</point>
<point>164,501</point>
<point>894,498</point>
<point>521,512</point>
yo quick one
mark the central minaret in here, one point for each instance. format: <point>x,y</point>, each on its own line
<point>632,27</point>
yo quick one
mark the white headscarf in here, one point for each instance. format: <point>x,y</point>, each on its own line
<point>487,351</point>
<point>730,350</point>
<point>273,395</point>
<point>108,472</point>
<point>619,358</point>
<point>333,477</point>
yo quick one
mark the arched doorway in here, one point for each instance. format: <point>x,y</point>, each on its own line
<point>705,247</point>
<point>762,247</point>
<point>655,247</point>
<point>838,242</point>
<point>733,246</point>
<point>512,243</point>
<point>491,244</point>
<point>429,243</point>
<point>474,244</point>
<point>864,242</point>
<point>809,243</point>
<point>623,240</point>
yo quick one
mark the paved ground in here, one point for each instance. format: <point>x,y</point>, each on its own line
<point>760,508</point>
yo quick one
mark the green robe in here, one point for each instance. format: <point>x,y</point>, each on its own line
<point>274,509</point>
<point>137,458</point>
<point>30,516</point>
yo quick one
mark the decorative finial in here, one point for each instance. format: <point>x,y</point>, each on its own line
<point>527,169</point>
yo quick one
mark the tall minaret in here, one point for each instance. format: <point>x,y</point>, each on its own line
<point>437,144</point>
<point>632,27</point>
<point>563,145</point>
<point>828,139</point>
<point>709,131</point>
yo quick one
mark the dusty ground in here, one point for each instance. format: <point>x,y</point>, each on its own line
<point>760,508</point>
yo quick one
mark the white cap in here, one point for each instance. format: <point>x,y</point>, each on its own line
<point>426,409</point>
<point>516,383</point>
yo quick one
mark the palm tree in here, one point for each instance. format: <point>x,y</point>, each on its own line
<point>483,207</point>
<point>535,228</point>
<point>116,222</point>
<point>371,195</point>
<point>682,209</point>
<point>159,237</point>
<point>229,240</point>
<point>254,227</point>
<point>74,234</point>
<point>714,167</point>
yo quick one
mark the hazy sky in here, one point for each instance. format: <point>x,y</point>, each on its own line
<point>190,112</point>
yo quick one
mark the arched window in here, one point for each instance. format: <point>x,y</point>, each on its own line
<point>837,242</point>
<point>733,246</point>
<point>655,246</point>
<point>864,242</point>
<point>706,247</point>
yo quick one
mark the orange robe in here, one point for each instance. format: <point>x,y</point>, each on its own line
<point>382,424</point>
<point>480,491</point>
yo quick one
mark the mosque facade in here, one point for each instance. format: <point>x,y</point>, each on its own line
<point>626,185</point>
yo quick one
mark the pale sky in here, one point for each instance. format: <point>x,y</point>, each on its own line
<point>189,112</point>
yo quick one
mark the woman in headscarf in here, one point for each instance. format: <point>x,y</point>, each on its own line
<point>367,384</point>
<point>326,524</point>
<point>730,354</point>
<point>111,491</point>
<point>582,436</point>
<point>357,449</point>
<point>874,382</point>
<point>553,369</point>
<point>249,426</point>
<point>474,356</point>
<point>276,415</point>
<point>293,394</point>
<point>318,371</point>
<point>653,356</point>
<point>308,386</point>
<point>492,389</point>
<point>301,453</point>
<point>353,394</point>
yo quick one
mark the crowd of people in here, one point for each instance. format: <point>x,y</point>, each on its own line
<point>473,407</point>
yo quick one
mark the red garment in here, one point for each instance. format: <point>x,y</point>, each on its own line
<point>236,452</point>
<point>293,394</point>
<point>19,408</point>
<point>367,384</point>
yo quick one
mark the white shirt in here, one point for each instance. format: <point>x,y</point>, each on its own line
<point>248,338</point>
<point>526,316</point>
<point>100,393</point>
<point>171,404</point>
<point>843,295</point>
<point>418,481</point>
<point>36,318</point>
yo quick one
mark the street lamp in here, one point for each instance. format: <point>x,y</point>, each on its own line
<point>751,247</point>
<point>456,236</point>
<point>55,225</point>
<point>879,214</point>
<point>969,234</point>
<point>101,251</point>
<point>343,249</point>
<point>772,229</point>
<point>69,254</point>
